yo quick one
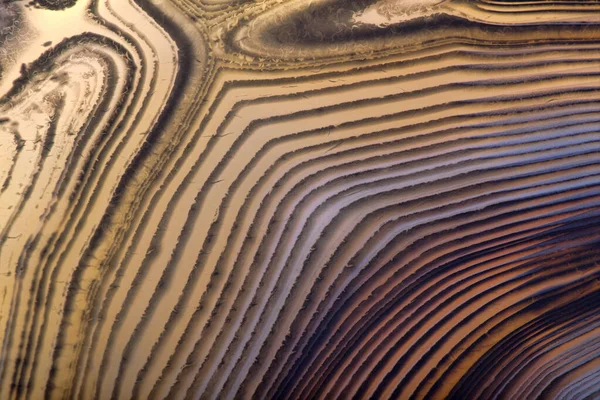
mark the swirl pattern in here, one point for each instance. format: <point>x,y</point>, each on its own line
<point>293,199</point>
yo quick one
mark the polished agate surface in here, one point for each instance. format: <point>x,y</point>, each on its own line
<point>299,199</point>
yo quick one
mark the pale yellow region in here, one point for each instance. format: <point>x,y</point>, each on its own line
<point>49,26</point>
<point>388,12</point>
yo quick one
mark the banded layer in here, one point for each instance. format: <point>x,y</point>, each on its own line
<point>292,199</point>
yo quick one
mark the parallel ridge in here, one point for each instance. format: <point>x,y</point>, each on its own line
<point>292,199</point>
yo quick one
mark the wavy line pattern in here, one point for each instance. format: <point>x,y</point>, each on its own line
<point>299,199</point>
